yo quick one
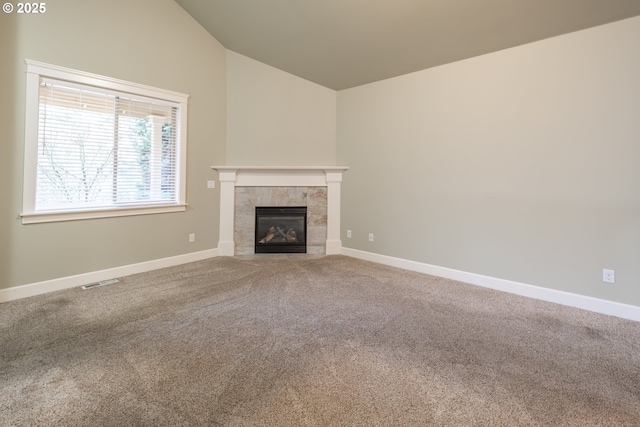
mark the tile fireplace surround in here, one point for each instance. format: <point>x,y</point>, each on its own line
<point>276,177</point>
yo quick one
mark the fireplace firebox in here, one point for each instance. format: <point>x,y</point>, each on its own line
<point>281,229</point>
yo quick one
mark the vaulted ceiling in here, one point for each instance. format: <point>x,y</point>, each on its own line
<point>345,43</point>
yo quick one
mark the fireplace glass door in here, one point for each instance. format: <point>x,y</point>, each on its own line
<point>281,229</point>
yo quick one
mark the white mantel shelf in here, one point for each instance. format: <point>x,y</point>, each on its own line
<point>278,176</point>
<point>280,168</point>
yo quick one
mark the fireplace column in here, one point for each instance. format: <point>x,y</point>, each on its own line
<point>334,244</point>
<point>227,178</point>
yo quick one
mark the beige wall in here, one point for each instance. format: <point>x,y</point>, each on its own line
<point>141,41</point>
<point>277,119</point>
<point>520,165</point>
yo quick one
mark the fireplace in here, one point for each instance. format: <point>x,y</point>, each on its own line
<point>237,214</point>
<point>281,229</point>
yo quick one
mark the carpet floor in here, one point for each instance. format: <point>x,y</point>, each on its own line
<point>327,341</point>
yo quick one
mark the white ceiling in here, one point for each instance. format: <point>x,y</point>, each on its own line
<point>345,43</point>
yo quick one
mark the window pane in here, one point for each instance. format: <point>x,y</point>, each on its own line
<point>75,149</point>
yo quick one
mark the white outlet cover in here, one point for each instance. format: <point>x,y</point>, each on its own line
<point>608,276</point>
<point>211,184</point>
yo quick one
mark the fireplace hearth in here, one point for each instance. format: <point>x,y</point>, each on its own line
<point>281,229</point>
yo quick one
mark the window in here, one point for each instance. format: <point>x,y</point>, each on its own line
<point>98,147</point>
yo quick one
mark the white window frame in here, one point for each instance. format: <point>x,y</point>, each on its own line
<point>36,70</point>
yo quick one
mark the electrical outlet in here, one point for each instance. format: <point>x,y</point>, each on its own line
<point>371,237</point>
<point>211,184</point>
<point>608,276</point>
<point>192,237</point>
<point>349,234</point>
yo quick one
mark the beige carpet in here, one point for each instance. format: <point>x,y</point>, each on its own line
<point>330,341</point>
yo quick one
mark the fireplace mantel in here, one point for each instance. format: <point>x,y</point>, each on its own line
<point>278,176</point>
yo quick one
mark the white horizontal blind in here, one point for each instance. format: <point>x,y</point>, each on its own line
<point>98,148</point>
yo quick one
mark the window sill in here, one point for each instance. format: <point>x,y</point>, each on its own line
<point>52,216</point>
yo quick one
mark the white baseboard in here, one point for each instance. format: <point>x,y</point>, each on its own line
<point>611,308</point>
<point>38,288</point>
